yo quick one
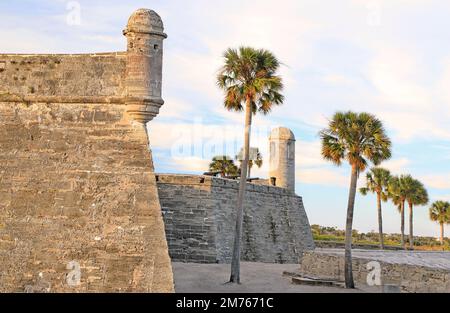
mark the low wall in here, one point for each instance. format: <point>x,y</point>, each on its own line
<point>199,214</point>
<point>411,271</point>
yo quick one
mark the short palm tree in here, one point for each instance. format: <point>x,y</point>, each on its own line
<point>440,212</point>
<point>250,82</point>
<point>397,192</point>
<point>225,165</point>
<point>358,138</point>
<point>377,181</point>
<point>255,158</point>
<point>416,195</point>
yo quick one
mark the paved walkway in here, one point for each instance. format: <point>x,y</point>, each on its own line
<point>432,259</point>
<point>256,278</point>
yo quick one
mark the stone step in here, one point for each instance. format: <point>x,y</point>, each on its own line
<point>316,282</point>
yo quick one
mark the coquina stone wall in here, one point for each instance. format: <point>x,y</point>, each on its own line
<point>79,207</point>
<point>199,214</point>
<point>418,272</point>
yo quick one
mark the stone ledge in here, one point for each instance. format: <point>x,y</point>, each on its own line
<point>105,54</point>
<point>216,182</point>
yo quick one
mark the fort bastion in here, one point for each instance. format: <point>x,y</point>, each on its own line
<point>81,209</point>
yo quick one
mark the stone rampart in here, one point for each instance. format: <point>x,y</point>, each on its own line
<point>199,215</point>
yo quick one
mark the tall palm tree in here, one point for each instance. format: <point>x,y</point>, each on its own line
<point>440,212</point>
<point>377,182</point>
<point>397,192</point>
<point>225,165</point>
<point>358,138</point>
<point>250,81</point>
<point>416,195</point>
<point>255,158</point>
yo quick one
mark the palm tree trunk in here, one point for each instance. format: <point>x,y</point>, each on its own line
<point>411,225</point>
<point>236,258</point>
<point>402,213</point>
<point>349,283</point>
<point>380,221</point>
<point>442,234</point>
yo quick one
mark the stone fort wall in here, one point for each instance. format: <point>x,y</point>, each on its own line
<point>199,216</point>
<point>79,207</point>
<point>72,77</point>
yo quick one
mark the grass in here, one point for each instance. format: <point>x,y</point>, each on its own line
<point>328,234</point>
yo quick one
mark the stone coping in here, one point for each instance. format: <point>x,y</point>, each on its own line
<point>428,259</point>
<point>186,179</point>
<point>99,54</point>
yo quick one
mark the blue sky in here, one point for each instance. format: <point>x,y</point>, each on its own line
<point>387,57</point>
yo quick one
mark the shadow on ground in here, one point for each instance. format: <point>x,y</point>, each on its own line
<point>255,277</point>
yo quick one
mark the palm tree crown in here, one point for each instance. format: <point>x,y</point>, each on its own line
<point>250,75</point>
<point>416,193</point>
<point>377,181</point>
<point>357,138</point>
<point>397,190</point>
<point>440,212</point>
<point>225,165</point>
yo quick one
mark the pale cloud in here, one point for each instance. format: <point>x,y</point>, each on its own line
<point>175,107</point>
<point>32,42</point>
<point>104,38</point>
<point>337,79</point>
<point>320,176</point>
<point>397,166</point>
<point>394,72</point>
<point>438,181</point>
<point>308,154</point>
<point>443,86</point>
<point>190,164</point>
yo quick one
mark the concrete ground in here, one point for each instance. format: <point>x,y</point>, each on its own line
<point>255,278</point>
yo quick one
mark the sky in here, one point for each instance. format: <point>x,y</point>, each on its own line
<point>387,57</point>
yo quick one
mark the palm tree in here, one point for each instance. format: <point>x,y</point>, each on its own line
<point>397,192</point>
<point>255,158</point>
<point>416,195</point>
<point>358,138</point>
<point>440,212</point>
<point>225,165</point>
<point>249,81</point>
<point>377,182</point>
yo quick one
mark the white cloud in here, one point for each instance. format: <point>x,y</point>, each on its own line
<point>191,164</point>
<point>438,181</point>
<point>397,166</point>
<point>320,176</point>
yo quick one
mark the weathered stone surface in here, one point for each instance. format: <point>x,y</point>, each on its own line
<point>199,215</point>
<point>411,271</point>
<point>282,158</point>
<point>77,184</point>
